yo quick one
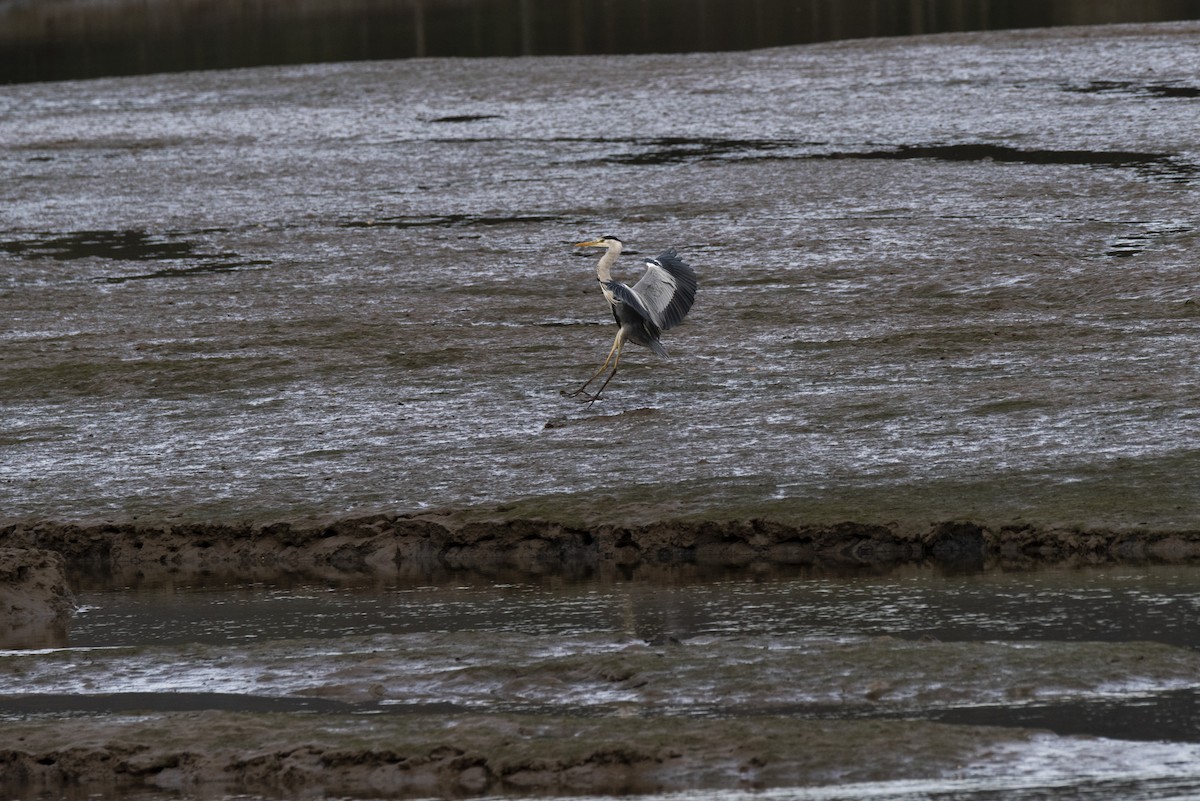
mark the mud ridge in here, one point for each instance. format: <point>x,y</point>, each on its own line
<point>467,755</point>
<point>389,543</point>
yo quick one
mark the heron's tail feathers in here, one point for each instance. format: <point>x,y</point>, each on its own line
<point>658,348</point>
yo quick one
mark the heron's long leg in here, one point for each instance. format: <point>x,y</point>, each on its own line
<point>616,363</point>
<point>615,350</point>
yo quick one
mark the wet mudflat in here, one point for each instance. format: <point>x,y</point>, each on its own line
<point>918,683</point>
<point>941,278</point>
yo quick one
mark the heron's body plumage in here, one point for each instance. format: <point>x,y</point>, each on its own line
<point>633,318</point>
<point>656,303</point>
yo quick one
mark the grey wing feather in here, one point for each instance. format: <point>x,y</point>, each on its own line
<point>641,315</point>
<point>667,290</point>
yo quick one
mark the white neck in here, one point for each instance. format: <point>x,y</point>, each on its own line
<point>604,266</point>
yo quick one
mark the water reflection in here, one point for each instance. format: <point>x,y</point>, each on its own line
<point>1121,604</point>
<point>62,40</point>
<point>34,635</point>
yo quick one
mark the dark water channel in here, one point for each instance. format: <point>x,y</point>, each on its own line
<point>1102,605</point>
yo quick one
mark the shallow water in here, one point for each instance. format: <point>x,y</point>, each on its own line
<point>1111,604</point>
<point>940,277</point>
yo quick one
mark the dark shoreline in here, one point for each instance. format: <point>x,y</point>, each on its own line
<point>472,541</point>
<point>71,41</point>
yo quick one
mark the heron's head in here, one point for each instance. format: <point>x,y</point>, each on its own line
<point>602,242</point>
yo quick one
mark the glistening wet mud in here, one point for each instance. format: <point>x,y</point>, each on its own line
<point>938,281</point>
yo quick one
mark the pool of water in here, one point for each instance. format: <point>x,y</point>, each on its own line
<point>1112,604</point>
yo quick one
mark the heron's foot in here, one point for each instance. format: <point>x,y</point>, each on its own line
<point>582,395</point>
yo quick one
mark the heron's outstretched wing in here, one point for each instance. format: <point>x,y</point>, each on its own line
<point>667,290</point>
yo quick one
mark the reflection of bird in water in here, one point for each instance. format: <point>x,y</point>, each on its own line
<point>657,302</point>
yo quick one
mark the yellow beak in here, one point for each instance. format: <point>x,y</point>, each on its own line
<point>594,243</point>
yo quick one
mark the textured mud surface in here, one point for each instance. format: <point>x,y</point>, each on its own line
<point>944,278</point>
<point>447,754</point>
<point>34,595</point>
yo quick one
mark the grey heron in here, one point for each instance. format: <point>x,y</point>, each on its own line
<point>657,302</point>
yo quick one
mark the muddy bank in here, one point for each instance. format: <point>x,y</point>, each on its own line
<point>389,544</point>
<point>33,593</point>
<point>41,562</point>
<point>37,556</point>
<point>448,754</point>
<point>397,688</point>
